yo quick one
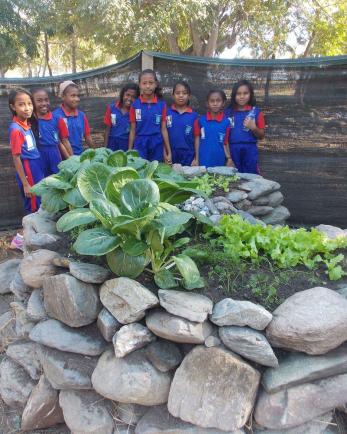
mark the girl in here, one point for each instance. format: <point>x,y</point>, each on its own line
<point>117,119</point>
<point>148,133</point>
<point>212,133</point>
<point>26,156</point>
<point>247,126</point>
<point>180,125</point>
<point>52,131</point>
<point>75,120</point>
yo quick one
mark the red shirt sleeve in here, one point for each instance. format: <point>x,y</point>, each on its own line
<point>163,114</point>
<point>86,127</point>
<point>227,135</point>
<point>16,141</point>
<point>107,117</point>
<point>62,128</point>
<point>132,117</point>
<point>196,128</point>
<point>261,120</point>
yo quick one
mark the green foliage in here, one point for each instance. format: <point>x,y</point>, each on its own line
<point>207,184</point>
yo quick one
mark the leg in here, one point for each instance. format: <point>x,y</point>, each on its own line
<point>54,159</point>
<point>111,143</point>
<point>251,159</point>
<point>235,150</point>
<point>156,148</point>
<point>141,146</point>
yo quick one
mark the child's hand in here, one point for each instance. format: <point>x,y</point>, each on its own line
<point>27,191</point>
<point>230,162</point>
<point>195,162</point>
<point>168,158</point>
<point>250,124</point>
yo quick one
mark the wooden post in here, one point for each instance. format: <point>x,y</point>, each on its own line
<point>146,61</point>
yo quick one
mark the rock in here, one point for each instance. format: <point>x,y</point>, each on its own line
<point>35,308</point>
<point>236,195</point>
<point>67,370</point>
<point>15,383</point>
<point>249,176</point>
<point>164,355</point>
<point>212,341</point>
<point>224,206</point>
<point>8,270</point>
<point>37,266</point>
<point>86,340</point>
<point>249,218</point>
<point>275,199</point>
<point>211,206</point>
<point>123,429</point>
<point>298,368</point>
<point>243,205</point>
<point>177,329</point>
<point>126,299</point>
<point>130,414</point>
<point>222,170</point>
<point>131,379</point>
<point>24,353</point>
<point>213,388</point>
<point>249,343</point>
<point>62,262</point>
<point>34,241</point>
<point>71,301</point>
<point>86,412</point>
<point>217,199</point>
<point>107,324</point>
<point>189,305</point>
<point>89,273</point>
<point>42,409</point>
<point>240,313</point>
<point>39,223</point>
<point>313,321</point>
<point>342,291</point>
<point>131,337</point>
<point>259,187</point>
<point>23,324</point>
<point>7,330</point>
<point>178,168</point>
<point>299,404</point>
<point>215,219</point>
<point>191,171</point>
<point>331,232</point>
<point>19,288</point>
<point>277,216</point>
<point>259,210</point>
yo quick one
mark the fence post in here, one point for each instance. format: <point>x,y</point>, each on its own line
<point>146,61</point>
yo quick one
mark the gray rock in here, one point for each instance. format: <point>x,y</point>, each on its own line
<point>107,324</point>
<point>7,330</point>
<point>123,429</point>
<point>243,205</point>
<point>213,388</point>
<point>299,404</point>
<point>67,370</point>
<point>259,211</point>
<point>215,218</point>
<point>131,379</point>
<point>86,340</point>
<point>249,176</point>
<point>313,321</point>
<point>259,187</point>
<point>130,414</point>
<point>217,199</point>
<point>236,195</point>
<point>24,353</point>
<point>86,412</point>
<point>164,355</point>
<point>277,216</point>
<point>8,270</point>
<point>249,343</point>
<point>249,218</point>
<point>178,168</point>
<point>191,171</point>
<point>71,301</point>
<point>275,199</point>
<point>177,329</point>
<point>212,341</point>
<point>189,305</point>
<point>342,291</point>
<point>131,337</point>
<point>35,308</point>
<point>19,288</point>
<point>126,299</point>
<point>23,324</point>
<point>224,206</point>
<point>15,383</point>
<point>34,241</point>
<point>298,368</point>
<point>222,170</point>
<point>42,409</point>
<point>39,223</point>
<point>211,206</point>
<point>89,273</point>
<point>240,313</point>
<point>37,266</point>
<point>263,200</point>
<point>331,232</point>
<point>61,261</point>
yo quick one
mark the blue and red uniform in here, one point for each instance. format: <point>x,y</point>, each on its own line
<point>180,127</point>
<point>148,116</point>
<point>52,129</point>
<point>23,143</point>
<point>214,134</point>
<point>77,125</point>
<point>243,143</point>
<point>119,127</point>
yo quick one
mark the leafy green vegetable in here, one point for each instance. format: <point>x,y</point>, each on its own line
<point>208,183</point>
<point>92,181</point>
<point>74,218</point>
<point>96,242</point>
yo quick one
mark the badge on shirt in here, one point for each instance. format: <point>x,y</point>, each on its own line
<point>169,121</point>
<point>202,132</point>
<point>232,122</point>
<point>113,119</point>
<point>56,138</point>
<point>187,130</point>
<point>221,137</point>
<point>138,114</point>
<point>30,143</point>
<point>66,123</point>
<point>157,119</point>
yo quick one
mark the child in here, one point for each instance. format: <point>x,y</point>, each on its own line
<point>148,132</point>
<point>117,119</point>
<point>75,120</point>
<point>180,125</point>
<point>212,133</point>
<point>247,126</point>
<point>26,156</point>
<point>52,131</point>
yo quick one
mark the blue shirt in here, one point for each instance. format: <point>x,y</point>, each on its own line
<point>23,141</point>
<point>239,133</point>
<point>180,127</point>
<point>117,121</point>
<point>52,128</point>
<point>148,116</point>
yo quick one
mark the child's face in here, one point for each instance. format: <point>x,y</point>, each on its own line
<point>23,106</point>
<point>41,102</point>
<point>128,98</point>
<point>243,95</point>
<point>215,103</point>
<point>181,96</point>
<point>71,97</point>
<point>147,84</point>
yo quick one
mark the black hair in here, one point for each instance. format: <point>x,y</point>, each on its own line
<point>219,91</point>
<point>38,89</point>
<point>132,86</point>
<point>69,86</point>
<point>12,99</point>
<point>252,100</point>
<point>181,83</point>
<point>158,89</point>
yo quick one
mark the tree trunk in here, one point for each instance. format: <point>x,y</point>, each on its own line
<point>73,53</point>
<point>172,40</point>
<point>2,73</point>
<point>47,56</point>
<point>267,84</point>
<point>197,42</point>
<point>211,47</point>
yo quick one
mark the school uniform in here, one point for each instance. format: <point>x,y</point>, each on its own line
<point>180,127</point>
<point>77,125</point>
<point>148,116</point>
<point>119,127</point>
<point>242,141</point>
<point>52,129</point>
<point>23,143</point>
<point>214,134</point>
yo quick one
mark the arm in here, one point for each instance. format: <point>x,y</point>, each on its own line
<point>64,152</point>
<point>68,147</point>
<point>87,136</point>
<point>107,122</point>
<point>167,149</point>
<point>106,135</point>
<point>257,127</point>
<point>89,141</point>
<point>195,162</point>
<point>132,135</point>
<point>20,170</point>
<point>229,161</point>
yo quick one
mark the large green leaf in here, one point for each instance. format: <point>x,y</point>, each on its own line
<point>170,192</point>
<point>72,164</point>
<point>96,242</point>
<point>117,159</point>
<point>54,181</point>
<point>124,265</point>
<point>131,225</point>
<point>40,188</point>
<point>52,201</point>
<point>74,218</point>
<point>132,153</point>
<point>137,162</point>
<point>117,180</point>
<point>73,197</point>
<point>134,247</point>
<point>172,218</point>
<point>105,211</point>
<point>88,154</point>
<point>139,194</point>
<point>165,279</point>
<point>189,271</point>
<point>92,181</point>
<point>149,169</point>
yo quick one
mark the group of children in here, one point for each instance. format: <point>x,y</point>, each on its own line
<point>140,120</point>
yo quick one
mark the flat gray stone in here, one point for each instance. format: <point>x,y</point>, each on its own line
<point>89,273</point>
<point>236,195</point>
<point>34,241</point>
<point>259,187</point>
<point>259,210</point>
<point>19,288</point>
<point>130,414</point>
<point>222,170</point>
<point>35,309</point>
<point>275,198</point>
<point>8,270</point>
<point>248,217</point>
<point>189,305</point>
<point>248,176</point>
<point>277,216</point>
<point>39,223</point>
<point>243,205</point>
<point>240,313</point>
<point>7,330</point>
<point>24,353</point>
<point>331,232</point>
<point>126,299</point>
<point>249,343</point>
<point>342,291</point>
<point>37,266</point>
<point>164,355</point>
<point>263,200</point>
<point>131,337</point>
<point>23,324</point>
<point>212,341</point>
<point>85,340</point>
<point>191,171</point>
<point>71,301</point>
<point>62,262</point>
<point>215,218</point>
<point>177,329</point>
<point>107,324</point>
